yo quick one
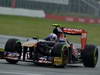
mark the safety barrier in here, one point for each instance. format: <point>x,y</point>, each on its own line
<point>22,12</point>
<point>73,19</point>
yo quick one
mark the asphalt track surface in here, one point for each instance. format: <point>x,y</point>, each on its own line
<point>29,68</point>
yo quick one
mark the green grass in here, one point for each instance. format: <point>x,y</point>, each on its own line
<point>1,50</point>
<point>28,27</point>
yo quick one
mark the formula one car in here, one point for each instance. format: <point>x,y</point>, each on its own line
<point>58,53</point>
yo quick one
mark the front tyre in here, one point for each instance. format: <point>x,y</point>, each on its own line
<point>12,61</point>
<point>60,54</point>
<point>13,50</point>
<point>90,56</point>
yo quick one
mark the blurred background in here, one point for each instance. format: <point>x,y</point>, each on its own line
<point>84,8</point>
<point>83,14</point>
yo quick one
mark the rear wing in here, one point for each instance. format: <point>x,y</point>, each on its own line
<point>80,32</point>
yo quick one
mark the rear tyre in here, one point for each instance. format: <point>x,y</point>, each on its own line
<point>12,61</point>
<point>13,46</point>
<point>60,51</point>
<point>90,56</point>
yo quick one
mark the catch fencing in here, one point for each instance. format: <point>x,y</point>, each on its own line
<point>61,7</point>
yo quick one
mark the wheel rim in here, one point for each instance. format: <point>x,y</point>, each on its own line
<point>64,49</point>
<point>95,55</point>
<point>64,54</point>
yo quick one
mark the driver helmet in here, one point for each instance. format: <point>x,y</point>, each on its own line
<point>52,37</point>
<point>57,30</point>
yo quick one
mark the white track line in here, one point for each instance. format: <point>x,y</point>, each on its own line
<point>19,73</point>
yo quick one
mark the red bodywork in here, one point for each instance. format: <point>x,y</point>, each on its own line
<point>81,32</point>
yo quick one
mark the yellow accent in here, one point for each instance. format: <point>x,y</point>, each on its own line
<point>58,60</point>
<point>29,44</point>
<point>94,55</point>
